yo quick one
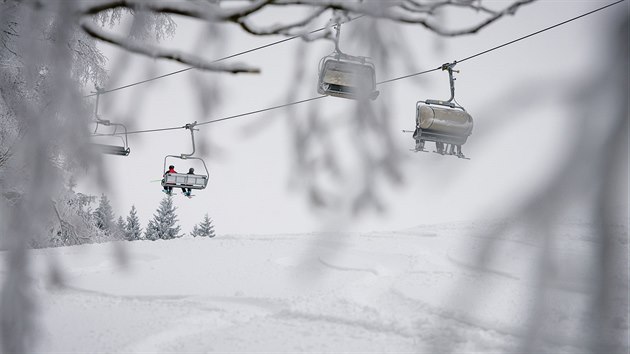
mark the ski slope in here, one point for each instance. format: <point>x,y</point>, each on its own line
<point>424,289</point>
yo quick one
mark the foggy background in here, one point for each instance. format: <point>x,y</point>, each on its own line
<point>516,95</point>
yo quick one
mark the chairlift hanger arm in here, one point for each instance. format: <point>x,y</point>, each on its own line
<point>98,97</point>
<point>191,127</point>
<point>451,102</point>
<point>337,32</point>
<point>449,67</point>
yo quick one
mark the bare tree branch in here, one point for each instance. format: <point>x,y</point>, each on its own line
<point>155,52</point>
<point>405,11</point>
<point>192,9</point>
<point>279,29</point>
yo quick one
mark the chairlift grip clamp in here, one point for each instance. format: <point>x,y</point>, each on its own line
<point>449,67</point>
<point>191,126</point>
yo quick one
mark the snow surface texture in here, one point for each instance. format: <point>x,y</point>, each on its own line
<point>417,290</point>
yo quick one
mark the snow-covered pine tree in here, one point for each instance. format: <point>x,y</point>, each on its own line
<point>204,229</point>
<point>104,215</point>
<point>133,231</point>
<point>120,228</point>
<point>164,223</point>
<point>151,232</point>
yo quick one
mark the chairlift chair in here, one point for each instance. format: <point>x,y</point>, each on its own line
<point>184,180</point>
<point>443,122</point>
<point>346,76</point>
<point>120,150</point>
<point>111,149</point>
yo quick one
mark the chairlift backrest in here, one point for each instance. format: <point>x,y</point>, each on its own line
<point>347,78</point>
<point>442,125</point>
<point>185,180</point>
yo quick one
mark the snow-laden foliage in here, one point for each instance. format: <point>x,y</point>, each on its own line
<point>204,229</point>
<point>133,231</point>
<point>72,222</point>
<point>47,63</point>
<point>164,223</point>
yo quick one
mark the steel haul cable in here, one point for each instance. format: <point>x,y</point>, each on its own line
<point>385,81</point>
<point>216,60</point>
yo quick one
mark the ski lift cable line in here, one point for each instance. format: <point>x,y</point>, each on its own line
<point>543,30</point>
<point>218,60</point>
<point>385,81</point>
<point>226,118</point>
<point>507,43</point>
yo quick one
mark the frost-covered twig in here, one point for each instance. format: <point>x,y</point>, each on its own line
<point>279,28</point>
<point>412,12</point>
<point>193,9</point>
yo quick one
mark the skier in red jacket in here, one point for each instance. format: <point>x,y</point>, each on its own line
<point>168,189</point>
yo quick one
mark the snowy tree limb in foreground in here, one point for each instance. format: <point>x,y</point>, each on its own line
<point>406,11</point>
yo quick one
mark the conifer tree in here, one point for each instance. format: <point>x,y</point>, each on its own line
<point>133,231</point>
<point>151,232</point>
<point>164,223</point>
<point>204,229</point>
<point>103,215</point>
<point>120,228</point>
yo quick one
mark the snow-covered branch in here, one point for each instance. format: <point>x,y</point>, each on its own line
<point>193,9</point>
<point>280,28</point>
<point>406,11</point>
<point>403,11</point>
<point>156,52</point>
<point>409,11</point>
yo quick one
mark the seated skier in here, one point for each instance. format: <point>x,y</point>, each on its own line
<point>188,191</point>
<point>168,189</point>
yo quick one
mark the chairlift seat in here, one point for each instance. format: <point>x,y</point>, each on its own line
<point>112,149</point>
<point>185,180</point>
<point>347,79</point>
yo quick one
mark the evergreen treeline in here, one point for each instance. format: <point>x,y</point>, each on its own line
<point>76,223</point>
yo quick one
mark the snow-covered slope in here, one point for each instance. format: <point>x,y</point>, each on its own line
<point>454,287</point>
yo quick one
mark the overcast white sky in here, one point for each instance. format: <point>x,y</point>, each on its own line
<point>513,147</point>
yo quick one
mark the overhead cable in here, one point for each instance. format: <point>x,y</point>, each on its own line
<point>389,80</point>
<point>542,30</point>
<point>217,60</point>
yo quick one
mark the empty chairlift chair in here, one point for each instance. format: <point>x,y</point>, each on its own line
<point>444,122</point>
<point>346,76</point>
<point>121,149</point>
<point>111,149</point>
